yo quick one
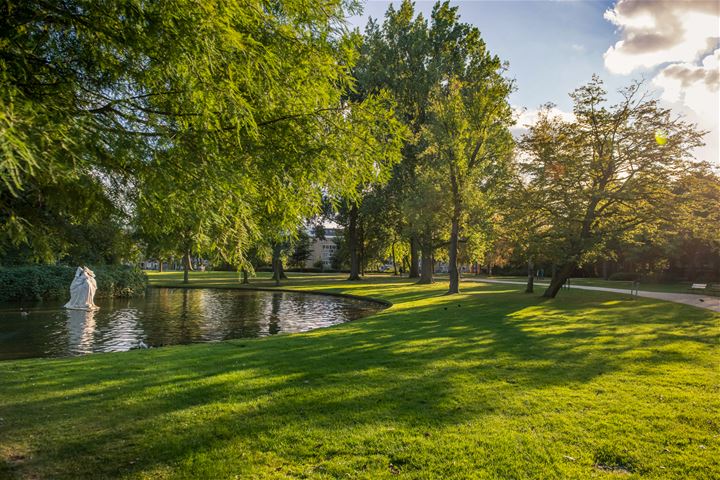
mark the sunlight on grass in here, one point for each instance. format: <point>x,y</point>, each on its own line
<point>492,383</point>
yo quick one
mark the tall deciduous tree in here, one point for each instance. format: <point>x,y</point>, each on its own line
<point>606,173</point>
<point>468,139</point>
<point>409,57</point>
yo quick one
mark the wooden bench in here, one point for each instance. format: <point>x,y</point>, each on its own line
<point>698,286</point>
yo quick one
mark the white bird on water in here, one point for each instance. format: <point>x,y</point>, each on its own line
<point>142,345</point>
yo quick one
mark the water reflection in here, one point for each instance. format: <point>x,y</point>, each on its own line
<point>80,330</point>
<point>167,316</point>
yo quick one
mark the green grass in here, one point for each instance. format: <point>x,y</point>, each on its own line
<point>492,383</point>
<point>678,287</point>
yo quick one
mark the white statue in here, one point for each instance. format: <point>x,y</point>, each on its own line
<point>82,290</point>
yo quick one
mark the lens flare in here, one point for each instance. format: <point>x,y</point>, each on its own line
<point>661,137</point>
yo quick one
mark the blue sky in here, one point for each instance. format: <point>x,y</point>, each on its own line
<point>555,46</point>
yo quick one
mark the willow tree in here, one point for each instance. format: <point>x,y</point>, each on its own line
<point>202,120</point>
<point>606,173</point>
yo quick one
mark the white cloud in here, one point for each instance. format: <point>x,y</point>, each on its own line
<point>528,116</point>
<point>659,31</point>
<point>677,41</point>
<point>694,90</point>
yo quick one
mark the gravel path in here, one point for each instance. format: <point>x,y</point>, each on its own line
<point>702,301</point>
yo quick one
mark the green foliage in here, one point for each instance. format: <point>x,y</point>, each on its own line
<point>602,176</point>
<point>196,118</point>
<point>301,250</point>
<point>51,282</point>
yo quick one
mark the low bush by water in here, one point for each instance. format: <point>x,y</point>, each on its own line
<point>52,282</point>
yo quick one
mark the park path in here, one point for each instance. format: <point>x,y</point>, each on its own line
<point>702,301</point>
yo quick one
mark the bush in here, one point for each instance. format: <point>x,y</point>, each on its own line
<point>661,277</point>
<point>52,282</point>
<point>304,270</point>
<point>628,276</point>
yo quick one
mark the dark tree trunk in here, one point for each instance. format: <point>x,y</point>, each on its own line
<point>395,270</point>
<point>426,261</point>
<point>605,270</point>
<point>277,266</point>
<point>453,253</point>
<point>531,276</point>
<point>453,272</point>
<point>353,244</point>
<point>560,275</point>
<point>245,279</point>
<point>413,270</point>
<point>160,262</point>
<point>361,250</point>
<point>186,267</point>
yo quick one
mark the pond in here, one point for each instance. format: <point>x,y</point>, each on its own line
<point>168,316</point>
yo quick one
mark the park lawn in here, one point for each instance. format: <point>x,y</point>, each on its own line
<point>492,383</point>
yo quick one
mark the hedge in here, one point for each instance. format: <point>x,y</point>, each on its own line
<point>627,276</point>
<point>52,282</point>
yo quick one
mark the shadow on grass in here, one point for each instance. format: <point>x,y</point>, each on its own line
<point>429,361</point>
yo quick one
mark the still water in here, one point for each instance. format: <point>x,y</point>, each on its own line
<point>167,316</point>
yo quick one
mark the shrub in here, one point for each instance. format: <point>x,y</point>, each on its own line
<point>624,276</point>
<point>661,277</point>
<point>304,270</point>
<point>52,282</point>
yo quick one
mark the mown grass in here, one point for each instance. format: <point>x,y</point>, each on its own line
<point>492,383</point>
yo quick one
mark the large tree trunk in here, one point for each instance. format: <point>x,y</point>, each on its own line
<point>245,279</point>
<point>531,276</point>
<point>277,266</point>
<point>560,275</point>
<point>426,261</point>
<point>353,244</point>
<point>413,270</point>
<point>186,267</point>
<point>395,269</point>
<point>453,272</point>
<point>160,262</point>
<point>453,252</point>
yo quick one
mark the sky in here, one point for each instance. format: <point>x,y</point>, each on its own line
<point>554,46</point>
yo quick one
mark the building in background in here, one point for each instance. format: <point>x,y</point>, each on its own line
<point>323,250</point>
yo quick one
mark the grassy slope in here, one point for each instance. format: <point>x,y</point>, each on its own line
<point>489,384</point>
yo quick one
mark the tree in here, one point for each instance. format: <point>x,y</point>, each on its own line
<point>301,249</point>
<point>468,139</point>
<point>204,121</point>
<point>605,173</point>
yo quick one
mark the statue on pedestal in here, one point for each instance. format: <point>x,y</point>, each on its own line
<point>82,290</point>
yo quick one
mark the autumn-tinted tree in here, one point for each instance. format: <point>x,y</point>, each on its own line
<point>608,172</point>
